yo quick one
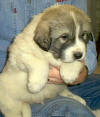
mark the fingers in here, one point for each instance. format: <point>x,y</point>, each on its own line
<point>54,76</point>
<point>82,76</point>
<point>55,81</point>
<point>54,73</point>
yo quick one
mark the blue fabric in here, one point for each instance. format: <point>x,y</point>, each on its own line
<point>61,107</point>
<point>91,57</point>
<point>89,90</point>
<point>1,115</point>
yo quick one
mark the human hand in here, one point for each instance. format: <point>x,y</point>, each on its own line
<point>82,76</point>
<point>54,76</point>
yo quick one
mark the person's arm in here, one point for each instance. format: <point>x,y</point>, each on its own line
<point>82,76</point>
<point>55,78</point>
<point>4,44</point>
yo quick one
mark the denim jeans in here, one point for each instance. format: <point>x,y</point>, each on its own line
<point>66,107</point>
<point>89,90</point>
<point>60,107</point>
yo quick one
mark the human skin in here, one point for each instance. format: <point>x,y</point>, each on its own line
<point>55,77</point>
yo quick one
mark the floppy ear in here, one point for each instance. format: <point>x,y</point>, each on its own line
<point>42,36</point>
<point>91,36</point>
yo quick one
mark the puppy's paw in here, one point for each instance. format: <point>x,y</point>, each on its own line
<point>81,100</point>
<point>38,79</point>
<point>70,71</point>
<point>34,87</point>
<point>77,98</point>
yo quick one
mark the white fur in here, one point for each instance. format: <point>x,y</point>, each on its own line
<point>24,78</point>
<point>70,71</point>
<point>79,46</point>
<point>97,112</point>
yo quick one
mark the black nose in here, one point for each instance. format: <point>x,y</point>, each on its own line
<point>78,55</point>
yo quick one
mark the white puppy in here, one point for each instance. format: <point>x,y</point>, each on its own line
<point>57,37</point>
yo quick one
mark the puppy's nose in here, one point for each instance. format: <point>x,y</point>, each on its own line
<point>78,55</point>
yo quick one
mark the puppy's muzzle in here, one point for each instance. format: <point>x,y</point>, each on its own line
<point>78,55</point>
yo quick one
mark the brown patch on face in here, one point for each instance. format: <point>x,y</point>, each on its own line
<point>42,36</point>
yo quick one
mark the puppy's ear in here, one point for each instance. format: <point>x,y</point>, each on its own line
<point>42,36</point>
<point>91,36</point>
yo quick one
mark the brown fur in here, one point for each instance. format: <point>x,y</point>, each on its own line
<point>54,19</point>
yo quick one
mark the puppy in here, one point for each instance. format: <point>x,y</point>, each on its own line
<point>56,37</point>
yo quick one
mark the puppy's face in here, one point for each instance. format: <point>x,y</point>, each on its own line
<point>64,31</point>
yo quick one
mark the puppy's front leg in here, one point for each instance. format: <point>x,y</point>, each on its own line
<point>70,71</point>
<point>37,74</point>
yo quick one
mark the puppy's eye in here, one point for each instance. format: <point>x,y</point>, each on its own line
<point>64,36</point>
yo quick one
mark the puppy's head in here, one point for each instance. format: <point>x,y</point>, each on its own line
<point>64,31</point>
